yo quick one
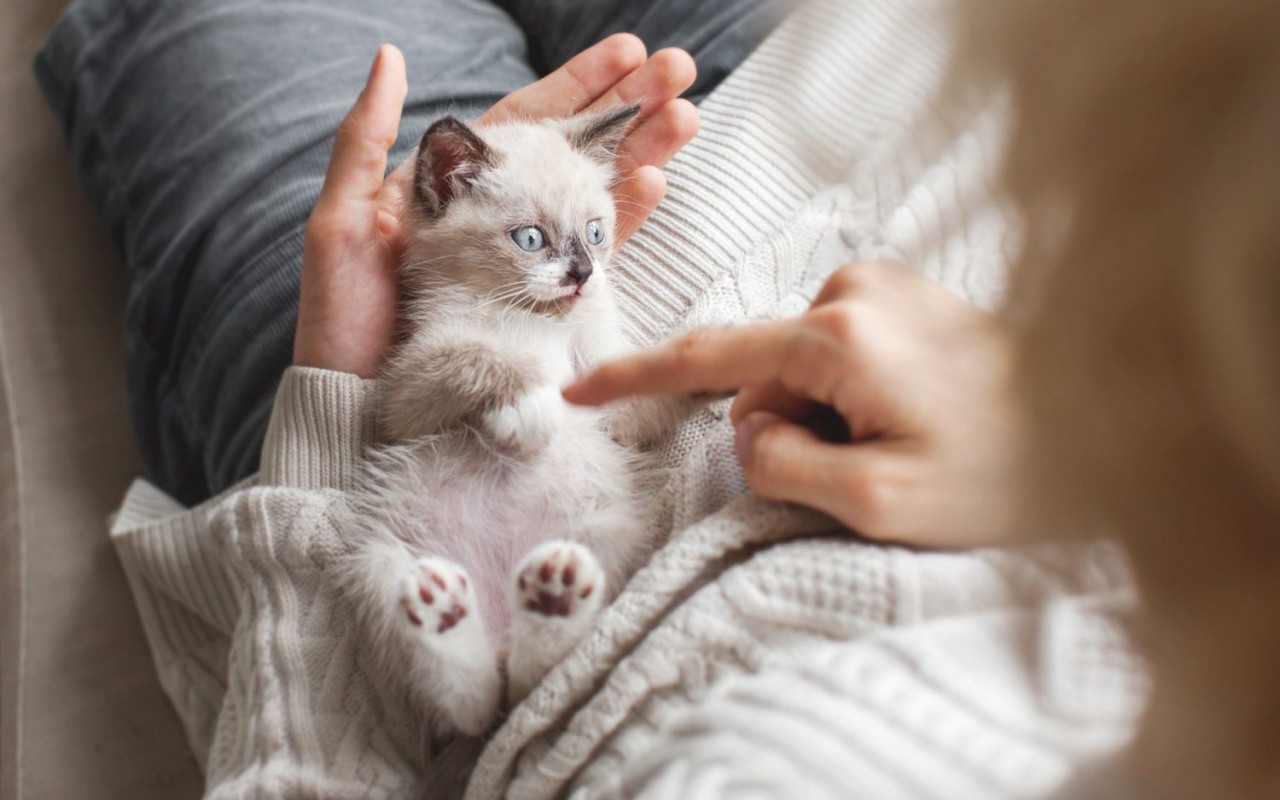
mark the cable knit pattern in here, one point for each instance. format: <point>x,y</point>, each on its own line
<point>761,651</point>
<point>900,716</point>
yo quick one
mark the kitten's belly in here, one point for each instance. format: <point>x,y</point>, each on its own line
<point>460,501</point>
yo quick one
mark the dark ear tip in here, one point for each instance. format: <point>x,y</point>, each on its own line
<point>599,135</point>
<point>622,114</point>
<point>448,122</point>
<point>444,124</point>
<point>450,157</point>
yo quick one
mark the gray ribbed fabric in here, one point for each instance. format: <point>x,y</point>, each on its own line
<point>761,652</point>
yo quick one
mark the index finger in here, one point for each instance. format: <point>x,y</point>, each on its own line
<point>576,85</point>
<point>705,360</point>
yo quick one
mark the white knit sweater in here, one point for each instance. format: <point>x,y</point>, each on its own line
<point>762,652</point>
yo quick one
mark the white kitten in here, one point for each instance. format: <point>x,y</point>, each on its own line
<point>500,520</point>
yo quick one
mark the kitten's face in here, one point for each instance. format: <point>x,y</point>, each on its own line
<point>520,215</point>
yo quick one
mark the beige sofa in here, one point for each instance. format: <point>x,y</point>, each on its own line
<point>82,715</point>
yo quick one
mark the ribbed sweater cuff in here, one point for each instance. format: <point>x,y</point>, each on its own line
<point>321,425</point>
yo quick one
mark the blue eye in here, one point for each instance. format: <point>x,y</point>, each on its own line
<point>529,238</point>
<point>595,232</point>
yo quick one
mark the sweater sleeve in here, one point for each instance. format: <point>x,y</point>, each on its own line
<point>244,604</point>
<point>321,424</point>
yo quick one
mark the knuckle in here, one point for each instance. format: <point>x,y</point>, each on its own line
<point>690,348</point>
<point>817,368</point>
<point>840,321</point>
<point>858,278</point>
<point>876,495</point>
<point>328,230</point>
<point>769,470</point>
<point>848,280</point>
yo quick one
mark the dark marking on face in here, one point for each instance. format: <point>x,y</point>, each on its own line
<point>580,266</point>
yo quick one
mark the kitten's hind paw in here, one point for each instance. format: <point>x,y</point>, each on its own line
<point>559,579</point>
<point>437,597</point>
<point>560,588</point>
<point>454,661</point>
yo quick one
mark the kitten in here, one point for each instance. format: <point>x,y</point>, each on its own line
<point>498,522</point>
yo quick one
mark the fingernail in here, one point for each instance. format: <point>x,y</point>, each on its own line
<point>744,433</point>
<point>377,61</point>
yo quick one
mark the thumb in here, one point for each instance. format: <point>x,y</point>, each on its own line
<point>786,461</point>
<point>359,160</point>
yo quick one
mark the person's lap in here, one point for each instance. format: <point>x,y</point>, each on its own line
<point>201,131</point>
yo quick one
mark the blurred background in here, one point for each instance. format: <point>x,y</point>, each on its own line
<point>75,674</point>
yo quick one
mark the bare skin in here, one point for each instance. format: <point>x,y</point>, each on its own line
<point>347,310</point>
<point>918,377</point>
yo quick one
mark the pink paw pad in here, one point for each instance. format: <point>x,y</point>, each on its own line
<point>555,581</point>
<point>436,596</point>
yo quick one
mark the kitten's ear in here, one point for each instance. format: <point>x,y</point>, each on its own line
<point>600,135</point>
<point>450,158</point>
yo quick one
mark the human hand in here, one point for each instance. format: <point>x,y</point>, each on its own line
<point>349,292</point>
<point>919,378</point>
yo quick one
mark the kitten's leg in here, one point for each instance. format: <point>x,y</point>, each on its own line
<point>559,590</point>
<point>454,657</point>
<point>526,423</point>
<point>434,386</point>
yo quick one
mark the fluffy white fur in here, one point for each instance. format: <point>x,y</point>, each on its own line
<point>499,520</point>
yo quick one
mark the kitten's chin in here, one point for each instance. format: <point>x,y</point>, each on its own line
<point>560,303</point>
<point>559,294</point>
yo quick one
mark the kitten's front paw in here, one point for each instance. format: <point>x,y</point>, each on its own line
<point>559,579</point>
<point>528,424</point>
